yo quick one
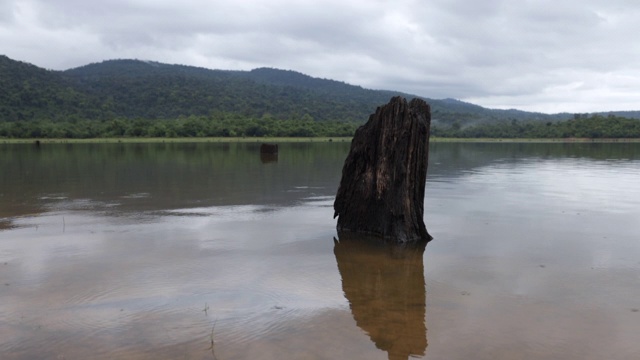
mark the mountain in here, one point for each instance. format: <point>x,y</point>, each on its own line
<point>29,92</point>
<point>150,90</point>
<point>132,88</point>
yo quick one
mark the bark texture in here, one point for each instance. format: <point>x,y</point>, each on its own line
<point>383,179</point>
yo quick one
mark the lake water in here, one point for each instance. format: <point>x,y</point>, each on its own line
<point>159,251</point>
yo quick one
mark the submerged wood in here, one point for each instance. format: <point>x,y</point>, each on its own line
<point>383,179</point>
<point>269,148</point>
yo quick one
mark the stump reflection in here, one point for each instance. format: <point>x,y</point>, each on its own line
<point>267,158</point>
<point>384,284</point>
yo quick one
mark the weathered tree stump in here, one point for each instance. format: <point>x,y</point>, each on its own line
<point>383,179</point>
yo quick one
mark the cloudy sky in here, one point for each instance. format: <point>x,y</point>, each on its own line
<point>536,55</point>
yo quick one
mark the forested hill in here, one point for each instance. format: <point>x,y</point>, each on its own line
<point>28,92</point>
<point>148,90</point>
<point>132,88</point>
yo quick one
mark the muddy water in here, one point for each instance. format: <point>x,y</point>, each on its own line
<point>155,251</point>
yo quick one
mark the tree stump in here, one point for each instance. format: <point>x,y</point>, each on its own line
<point>381,192</point>
<point>269,149</point>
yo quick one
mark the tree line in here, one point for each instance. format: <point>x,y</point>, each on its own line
<point>580,126</point>
<point>231,125</point>
<point>234,125</point>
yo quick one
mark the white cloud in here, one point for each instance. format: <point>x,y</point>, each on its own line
<point>529,55</point>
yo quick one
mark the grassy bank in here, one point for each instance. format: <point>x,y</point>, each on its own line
<point>180,140</point>
<point>294,140</point>
<point>533,140</point>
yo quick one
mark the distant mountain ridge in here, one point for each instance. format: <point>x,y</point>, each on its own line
<point>152,90</point>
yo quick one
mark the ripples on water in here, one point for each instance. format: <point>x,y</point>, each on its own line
<point>534,257</point>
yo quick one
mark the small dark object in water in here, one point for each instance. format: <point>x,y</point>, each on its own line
<point>382,187</point>
<point>269,148</point>
<point>37,143</point>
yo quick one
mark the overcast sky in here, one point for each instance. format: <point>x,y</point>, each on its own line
<point>536,55</point>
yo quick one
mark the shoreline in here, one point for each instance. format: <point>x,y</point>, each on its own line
<point>298,140</point>
<point>133,140</point>
<point>535,140</point>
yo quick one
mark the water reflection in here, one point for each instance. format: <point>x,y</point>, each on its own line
<point>266,158</point>
<point>171,175</point>
<point>385,287</point>
<point>111,251</point>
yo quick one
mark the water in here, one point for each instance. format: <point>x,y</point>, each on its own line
<point>153,251</point>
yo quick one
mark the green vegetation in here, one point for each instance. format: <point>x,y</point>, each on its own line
<point>232,126</point>
<point>581,126</point>
<point>141,99</point>
<point>132,89</point>
<point>227,140</point>
<point>189,127</point>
